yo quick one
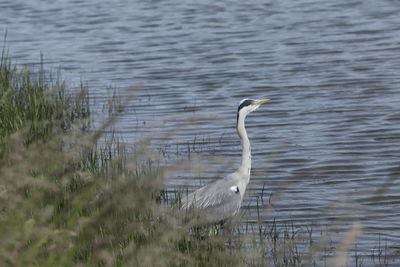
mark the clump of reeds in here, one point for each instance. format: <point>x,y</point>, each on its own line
<point>36,101</point>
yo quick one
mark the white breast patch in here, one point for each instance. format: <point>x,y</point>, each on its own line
<point>234,189</point>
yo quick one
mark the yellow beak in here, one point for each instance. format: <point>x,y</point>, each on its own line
<point>259,102</point>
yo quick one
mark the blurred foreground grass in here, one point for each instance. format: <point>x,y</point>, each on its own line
<point>65,200</point>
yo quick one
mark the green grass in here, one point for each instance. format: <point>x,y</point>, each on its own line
<point>35,101</point>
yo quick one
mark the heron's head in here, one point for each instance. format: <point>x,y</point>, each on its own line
<point>247,106</point>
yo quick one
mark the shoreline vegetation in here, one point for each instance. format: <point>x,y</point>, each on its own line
<point>69,198</point>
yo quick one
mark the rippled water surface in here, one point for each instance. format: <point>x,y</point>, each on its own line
<point>325,149</point>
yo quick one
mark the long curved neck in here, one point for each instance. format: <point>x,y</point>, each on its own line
<point>245,166</point>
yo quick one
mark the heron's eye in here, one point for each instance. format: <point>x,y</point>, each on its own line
<point>235,189</point>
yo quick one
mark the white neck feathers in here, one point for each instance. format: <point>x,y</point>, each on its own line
<point>245,165</point>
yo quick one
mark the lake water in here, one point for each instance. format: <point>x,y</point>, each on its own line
<point>325,149</point>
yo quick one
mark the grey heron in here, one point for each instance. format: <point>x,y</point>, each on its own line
<point>222,199</point>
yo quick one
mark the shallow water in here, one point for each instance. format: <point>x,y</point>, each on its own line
<point>325,150</point>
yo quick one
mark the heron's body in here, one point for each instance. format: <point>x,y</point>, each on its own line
<point>222,199</point>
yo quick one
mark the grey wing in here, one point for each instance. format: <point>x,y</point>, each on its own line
<point>217,200</point>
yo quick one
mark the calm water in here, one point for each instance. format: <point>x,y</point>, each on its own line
<point>325,150</point>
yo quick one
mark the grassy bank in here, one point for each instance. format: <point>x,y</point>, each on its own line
<point>66,200</point>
